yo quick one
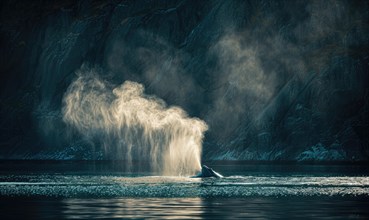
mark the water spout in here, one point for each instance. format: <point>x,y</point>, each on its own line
<point>134,125</point>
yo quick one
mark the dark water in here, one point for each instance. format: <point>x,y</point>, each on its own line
<point>256,191</point>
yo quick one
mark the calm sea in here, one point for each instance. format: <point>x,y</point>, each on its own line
<point>47,189</point>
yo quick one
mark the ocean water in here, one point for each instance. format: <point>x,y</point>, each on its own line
<point>257,191</point>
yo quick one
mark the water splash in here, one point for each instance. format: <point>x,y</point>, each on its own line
<point>134,125</point>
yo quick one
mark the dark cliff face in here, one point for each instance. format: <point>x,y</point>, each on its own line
<point>274,80</point>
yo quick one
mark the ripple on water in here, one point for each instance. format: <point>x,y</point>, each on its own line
<point>75,186</point>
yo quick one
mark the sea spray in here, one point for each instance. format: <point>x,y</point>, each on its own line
<point>134,125</point>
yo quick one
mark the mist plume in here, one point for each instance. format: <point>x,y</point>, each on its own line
<point>134,125</point>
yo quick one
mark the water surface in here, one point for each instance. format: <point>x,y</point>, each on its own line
<point>94,190</point>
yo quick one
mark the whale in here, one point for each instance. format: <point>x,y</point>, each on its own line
<point>207,172</point>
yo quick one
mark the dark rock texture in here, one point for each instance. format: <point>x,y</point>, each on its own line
<point>274,80</point>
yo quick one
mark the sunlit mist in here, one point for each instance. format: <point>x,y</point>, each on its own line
<point>136,126</point>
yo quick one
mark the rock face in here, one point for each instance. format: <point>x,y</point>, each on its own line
<point>274,80</point>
